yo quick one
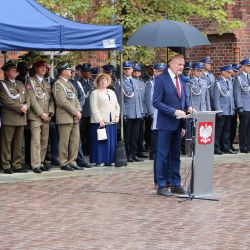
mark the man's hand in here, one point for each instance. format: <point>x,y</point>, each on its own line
<point>179,113</point>
<point>24,108</point>
<point>191,110</point>
<point>78,115</point>
<point>45,117</point>
<point>102,124</point>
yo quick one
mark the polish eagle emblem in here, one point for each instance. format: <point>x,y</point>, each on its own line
<point>205,132</point>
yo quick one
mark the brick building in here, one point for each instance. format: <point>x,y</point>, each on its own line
<point>229,47</point>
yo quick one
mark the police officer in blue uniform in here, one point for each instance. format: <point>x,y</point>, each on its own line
<point>196,89</point>
<point>188,69</point>
<point>88,87</point>
<point>133,111</point>
<point>94,72</point>
<point>242,104</point>
<point>141,84</point>
<point>223,101</point>
<point>209,77</point>
<point>233,130</point>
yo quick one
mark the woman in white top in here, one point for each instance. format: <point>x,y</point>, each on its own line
<point>105,111</point>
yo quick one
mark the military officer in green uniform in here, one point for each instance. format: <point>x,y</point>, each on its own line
<point>68,115</point>
<point>15,104</point>
<point>39,115</point>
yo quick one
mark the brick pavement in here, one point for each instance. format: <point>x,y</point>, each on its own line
<point>117,209</point>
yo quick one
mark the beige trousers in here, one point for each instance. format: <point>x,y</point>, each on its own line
<point>68,143</point>
<point>39,142</point>
<point>11,146</point>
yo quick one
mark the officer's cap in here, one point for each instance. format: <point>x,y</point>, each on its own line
<point>137,67</point>
<point>108,68</point>
<point>198,65</point>
<point>245,62</point>
<point>236,67</point>
<point>8,65</point>
<point>94,71</point>
<point>227,68</point>
<point>40,63</point>
<point>150,66</point>
<point>63,66</point>
<point>188,65</point>
<point>207,60</point>
<point>127,64</point>
<point>86,67</point>
<point>78,67</point>
<point>160,66</point>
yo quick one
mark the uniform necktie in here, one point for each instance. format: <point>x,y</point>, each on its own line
<point>178,86</point>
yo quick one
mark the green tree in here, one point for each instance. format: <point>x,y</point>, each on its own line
<point>132,14</point>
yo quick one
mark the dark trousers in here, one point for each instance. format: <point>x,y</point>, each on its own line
<point>131,136</point>
<point>54,140</point>
<point>140,137</point>
<point>168,157</point>
<point>80,156</point>
<point>233,129</point>
<point>152,151</point>
<point>27,139</point>
<point>85,135</point>
<point>148,132</point>
<point>222,133</point>
<point>245,131</point>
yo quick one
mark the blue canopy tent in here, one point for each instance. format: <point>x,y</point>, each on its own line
<point>26,25</point>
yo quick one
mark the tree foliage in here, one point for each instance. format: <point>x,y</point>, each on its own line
<point>132,14</point>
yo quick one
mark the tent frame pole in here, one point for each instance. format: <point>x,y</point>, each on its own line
<point>121,82</point>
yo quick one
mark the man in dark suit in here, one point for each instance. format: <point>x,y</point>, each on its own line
<point>170,100</point>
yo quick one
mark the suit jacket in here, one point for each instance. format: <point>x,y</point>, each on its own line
<point>41,100</point>
<point>241,90</point>
<point>167,101</point>
<point>67,103</point>
<point>223,96</point>
<point>11,114</point>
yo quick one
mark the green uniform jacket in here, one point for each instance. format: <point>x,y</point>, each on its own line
<point>41,100</point>
<point>12,97</point>
<point>67,103</point>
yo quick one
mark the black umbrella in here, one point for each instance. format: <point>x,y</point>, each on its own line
<point>168,33</point>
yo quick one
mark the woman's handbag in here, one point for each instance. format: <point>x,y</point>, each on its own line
<point>101,134</point>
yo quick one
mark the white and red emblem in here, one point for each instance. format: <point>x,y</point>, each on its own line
<point>205,133</point>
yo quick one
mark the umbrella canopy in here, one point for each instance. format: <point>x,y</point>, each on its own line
<point>168,33</point>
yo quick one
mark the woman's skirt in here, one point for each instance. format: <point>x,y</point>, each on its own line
<point>103,151</point>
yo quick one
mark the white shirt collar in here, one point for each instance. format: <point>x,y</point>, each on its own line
<point>226,80</point>
<point>171,73</point>
<point>39,78</point>
<point>13,81</point>
<point>244,73</point>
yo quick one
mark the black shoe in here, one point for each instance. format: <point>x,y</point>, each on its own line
<point>86,165</point>
<point>218,152</point>
<point>135,158</point>
<point>75,167</point>
<point>178,190</point>
<point>55,162</point>
<point>164,192</point>
<point>234,149</point>
<point>42,168</point>
<point>130,159</point>
<point>229,151</point>
<point>8,171</point>
<point>37,170</point>
<point>244,151</point>
<point>141,155</point>
<point>20,170</point>
<point>67,167</point>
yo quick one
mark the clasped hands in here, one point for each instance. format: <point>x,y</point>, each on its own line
<point>180,113</point>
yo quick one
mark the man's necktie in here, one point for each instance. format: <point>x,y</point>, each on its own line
<point>178,86</point>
